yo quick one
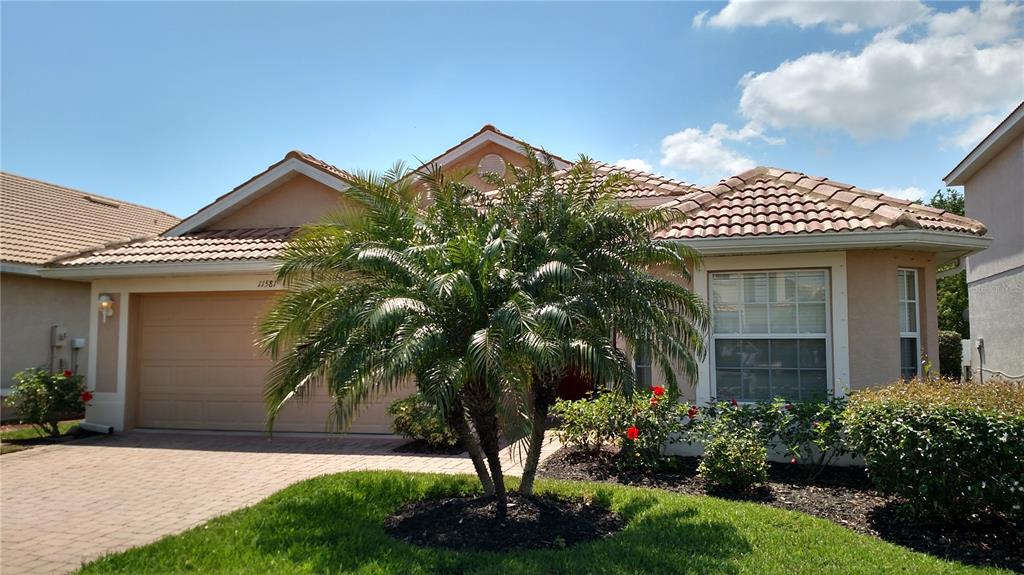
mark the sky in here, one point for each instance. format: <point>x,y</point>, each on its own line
<point>173,104</point>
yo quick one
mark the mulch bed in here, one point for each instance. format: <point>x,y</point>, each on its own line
<point>843,495</point>
<point>468,524</point>
<point>420,446</point>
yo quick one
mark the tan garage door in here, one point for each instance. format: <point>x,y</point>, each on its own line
<point>195,367</point>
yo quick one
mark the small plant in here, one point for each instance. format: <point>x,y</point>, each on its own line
<point>951,450</point>
<point>733,459</point>
<point>591,423</point>
<point>653,421</point>
<point>415,418</point>
<point>43,399</point>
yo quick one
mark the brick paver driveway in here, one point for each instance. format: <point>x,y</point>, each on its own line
<point>63,505</point>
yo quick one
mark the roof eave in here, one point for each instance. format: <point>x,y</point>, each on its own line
<point>957,243</point>
<point>1004,133</point>
<point>153,269</point>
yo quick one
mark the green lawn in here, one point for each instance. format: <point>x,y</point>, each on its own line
<point>29,432</point>
<point>333,524</point>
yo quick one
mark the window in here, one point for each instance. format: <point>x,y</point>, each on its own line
<point>642,366</point>
<point>910,332</point>
<point>770,335</point>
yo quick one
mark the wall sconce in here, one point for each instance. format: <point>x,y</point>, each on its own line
<point>106,307</point>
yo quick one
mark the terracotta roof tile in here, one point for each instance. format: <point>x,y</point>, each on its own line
<point>793,203</point>
<point>40,221</point>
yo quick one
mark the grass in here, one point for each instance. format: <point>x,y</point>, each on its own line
<point>29,432</point>
<point>333,524</point>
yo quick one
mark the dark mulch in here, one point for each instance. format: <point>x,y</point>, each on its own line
<point>467,523</point>
<point>843,495</point>
<point>420,446</point>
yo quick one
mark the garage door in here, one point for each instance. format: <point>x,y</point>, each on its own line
<point>195,367</point>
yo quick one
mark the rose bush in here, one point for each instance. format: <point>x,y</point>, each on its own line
<point>43,399</point>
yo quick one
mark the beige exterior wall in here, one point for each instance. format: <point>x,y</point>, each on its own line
<point>995,276</point>
<point>874,313</point>
<point>469,163</point>
<point>29,307</point>
<point>297,201</point>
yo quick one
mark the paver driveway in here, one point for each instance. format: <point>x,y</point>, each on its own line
<point>66,504</point>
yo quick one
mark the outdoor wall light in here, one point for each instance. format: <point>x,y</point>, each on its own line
<point>106,307</point>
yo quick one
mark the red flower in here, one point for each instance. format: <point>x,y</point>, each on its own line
<point>654,401</point>
<point>86,396</point>
<point>658,390</point>
<point>632,433</point>
<point>789,407</point>
<point>68,373</point>
<point>793,460</point>
<point>692,412</point>
<point>733,403</point>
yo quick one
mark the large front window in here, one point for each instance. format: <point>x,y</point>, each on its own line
<point>770,335</point>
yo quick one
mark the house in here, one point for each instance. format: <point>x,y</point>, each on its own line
<point>815,286</point>
<point>993,179</point>
<point>45,321</point>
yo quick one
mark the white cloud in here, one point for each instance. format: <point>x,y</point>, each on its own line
<point>700,18</point>
<point>912,193</point>
<point>842,17</point>
<point>705,152</point>
<point>948,74</point>
<point>976,131</point>
<point>635,164</point>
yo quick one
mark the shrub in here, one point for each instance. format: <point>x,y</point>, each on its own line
<point>591,423</point>
<point>415,418</point>
<point>652,421</point>
<point>950,354</point>
<point>733,459</point>
<point>813,433</point>
<point>44,399</point>
<point>951,450</point>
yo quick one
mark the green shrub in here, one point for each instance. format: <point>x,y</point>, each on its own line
<point>951,450</point>
<point>591,423</point>
<point>950,354</point>
<point>415,418</point>
<point>43,399</point>
<point>652,421</point>
<point>733,459</point>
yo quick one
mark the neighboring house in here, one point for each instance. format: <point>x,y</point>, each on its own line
<point>815,287</point>
<point>993,179</point>
<point>44,322</point>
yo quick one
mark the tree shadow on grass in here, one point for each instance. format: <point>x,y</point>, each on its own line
<point>341,529</point>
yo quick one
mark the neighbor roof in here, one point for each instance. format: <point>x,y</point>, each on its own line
<point>40,221</point>
<point>769,201</point>
<point>1009,129</point>
<point>489,133</point>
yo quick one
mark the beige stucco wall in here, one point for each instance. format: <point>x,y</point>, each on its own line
<point>29,306</point>
<point>873,300</point>
<point>469,163</point>
<point>297,201</point>
<point>995,276</point>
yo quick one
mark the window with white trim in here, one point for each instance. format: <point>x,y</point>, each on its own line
<point>642,366</point>
<point>910,324</point>
<point>771,335</point>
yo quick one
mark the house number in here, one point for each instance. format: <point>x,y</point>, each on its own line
<point>266,283</point>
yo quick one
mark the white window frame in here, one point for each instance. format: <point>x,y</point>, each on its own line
<point>830,390</point>
<point>647,368</point>
<point>915,335</point>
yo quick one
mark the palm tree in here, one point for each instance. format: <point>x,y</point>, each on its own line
<point>604,254</point>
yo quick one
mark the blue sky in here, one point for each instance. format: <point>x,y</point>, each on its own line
<point>171,105</point>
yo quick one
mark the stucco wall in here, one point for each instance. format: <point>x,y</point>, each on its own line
<point>995,195</point>
<point>469,163</point>
<point>297,201</point>
<point>29,306</point>
<point>873,300</point>
<point>995,276</point>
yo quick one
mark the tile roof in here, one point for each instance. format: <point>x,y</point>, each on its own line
<point>644,185</point>
<point>207,246</point>
<point>491,128</point>
<point>769,201</point>
<point>40,221</point>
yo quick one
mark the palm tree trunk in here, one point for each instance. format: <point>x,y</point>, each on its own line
<point>540,403</point>
<point>485,418</point>
<point>472,445</point>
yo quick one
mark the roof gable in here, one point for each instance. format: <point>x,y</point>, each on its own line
<point>294,162</point>
<point>1008,130</point>
<point>40,221</point>
<point>489,134</point>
